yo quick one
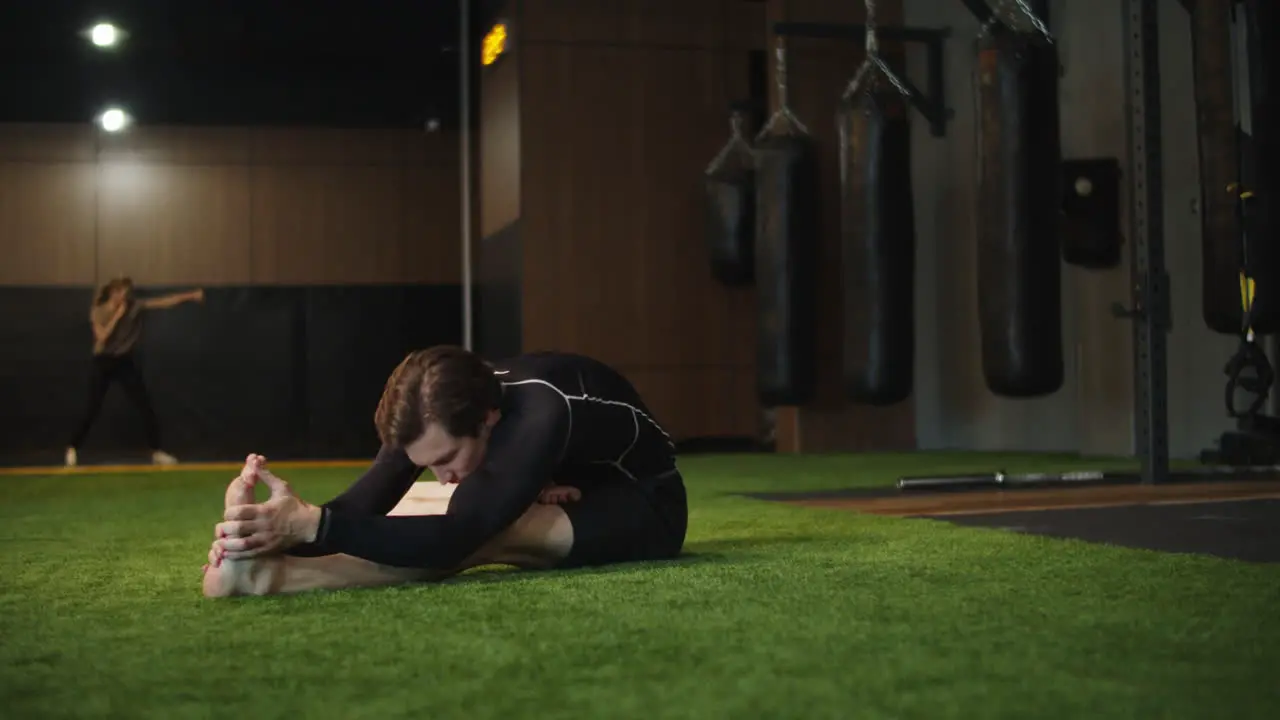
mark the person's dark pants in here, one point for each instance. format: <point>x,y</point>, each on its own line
<point>118,368</point>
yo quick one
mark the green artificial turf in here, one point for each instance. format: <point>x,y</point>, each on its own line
<point>776,612</point>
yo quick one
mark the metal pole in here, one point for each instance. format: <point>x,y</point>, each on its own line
<point>464,73</point>
<point>1150,280</point>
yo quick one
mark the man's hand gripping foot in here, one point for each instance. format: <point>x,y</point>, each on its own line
<point>252,576</point>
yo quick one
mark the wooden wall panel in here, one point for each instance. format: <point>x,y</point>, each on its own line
<point>46,205</point>
<point>614,204</point>
<point>168,146</point>
<point>431,206</point>
<point>326,224</point>
<point>622,107</point>
<point>746,26</point>
<point>186,205</point>
<point>47,143</point>
<point>329,146</point>
<point>646,23</point>
<point>497,245</point>
<point>700,401</point>
<point>173,224</point>
<point>500,144</point>
<point>46,223</point>
<point>580,208</point>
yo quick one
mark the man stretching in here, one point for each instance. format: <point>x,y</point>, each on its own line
<point>557,461</point>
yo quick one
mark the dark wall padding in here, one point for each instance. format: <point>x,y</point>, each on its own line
<point>290,372</point>
<point>225,377</point>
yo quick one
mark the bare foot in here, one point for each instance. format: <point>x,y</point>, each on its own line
<point>226,578</point>
<point>255,576</point>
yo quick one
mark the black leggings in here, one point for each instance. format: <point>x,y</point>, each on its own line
<point>109,368</point>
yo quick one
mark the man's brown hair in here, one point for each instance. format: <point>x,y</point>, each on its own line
<point>444,384</point>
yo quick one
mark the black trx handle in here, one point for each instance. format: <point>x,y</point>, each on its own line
<point>1249,369</point>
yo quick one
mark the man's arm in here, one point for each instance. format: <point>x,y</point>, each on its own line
<point>167,301</point>
<point>523,453</point>
<point>384,484</point>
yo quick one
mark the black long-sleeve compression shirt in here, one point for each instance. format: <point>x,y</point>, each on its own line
<point>558,411</point>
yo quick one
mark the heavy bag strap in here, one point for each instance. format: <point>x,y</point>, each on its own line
<point>1034,20</point>
<point>782,122</point>
<point>738,144</point>
<point>1249,369</point>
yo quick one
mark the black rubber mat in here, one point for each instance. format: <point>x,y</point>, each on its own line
<point>1241,530</point>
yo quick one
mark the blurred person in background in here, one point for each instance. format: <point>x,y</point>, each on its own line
<point>117,319</point>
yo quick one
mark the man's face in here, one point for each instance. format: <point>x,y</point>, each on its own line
<point>450,458</point>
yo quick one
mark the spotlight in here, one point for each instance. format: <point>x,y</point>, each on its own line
<point>113,120</point>
<point>104,35</point>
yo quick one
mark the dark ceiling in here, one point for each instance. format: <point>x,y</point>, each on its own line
<point>378,63</point>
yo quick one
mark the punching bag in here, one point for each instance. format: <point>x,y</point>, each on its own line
<point>877,234</point>
<point>1254,244</point>
<point>1264,83</point>
<point>1019,283</point>
<point>731,209</point>
<point>1219,164</point>
<point>785,259</point>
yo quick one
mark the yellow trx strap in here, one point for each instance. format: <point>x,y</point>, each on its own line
<point>1248,287</point>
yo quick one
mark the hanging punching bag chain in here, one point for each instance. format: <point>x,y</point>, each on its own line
<point>784,114</point>
<point>873,39</point>
<point>1034,19</point>
<point>991,13</point>
<point>874,63</point>
<point>1000,14</point>
<point>737,142</point>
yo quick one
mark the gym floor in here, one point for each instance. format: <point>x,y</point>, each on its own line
<point>1236,520</point>
<point>777,610</point>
